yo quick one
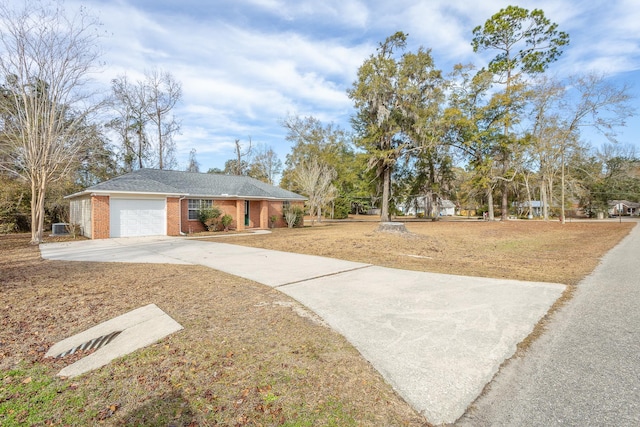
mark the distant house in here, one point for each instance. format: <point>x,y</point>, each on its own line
<point>150,202</point>
<point>422,205</point>
<point>533,208</point>
<point>624,207</point>
<point>447,208</point>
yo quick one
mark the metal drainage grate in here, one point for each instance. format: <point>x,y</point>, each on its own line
<point>95,343</point>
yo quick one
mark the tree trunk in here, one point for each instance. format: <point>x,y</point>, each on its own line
<point>528,188</point>
<point>550,191</point>
<point>386,190</point>
<point>34,213</point>
<point>504,215</point>
<point>434,206</point>
<point>491,215</point>
<point>433,202</point>
<point>544,200</point>
<point>160,142</point>
<point>562,191</point>
<point>238,158</point>
<point>140,131</point>
<point>38,187</point>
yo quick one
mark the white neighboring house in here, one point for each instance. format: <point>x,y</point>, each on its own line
<point>534,207</point>
<point>421,205</point>
<point>447,208</point>
<point>624,207</point>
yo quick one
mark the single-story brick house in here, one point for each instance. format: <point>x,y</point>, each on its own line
<point>151,202</point>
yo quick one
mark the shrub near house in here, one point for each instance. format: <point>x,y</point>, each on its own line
<point>209,217</point>
<point>226,221</point>
<point>294,216</point>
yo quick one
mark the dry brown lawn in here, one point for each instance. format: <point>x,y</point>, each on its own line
<point>522,250</point>
<point>246,355</point>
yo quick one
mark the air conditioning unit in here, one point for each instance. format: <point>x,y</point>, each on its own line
<point>59,228</point>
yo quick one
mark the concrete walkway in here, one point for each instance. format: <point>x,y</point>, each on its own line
<point>437,339</point>
<point>585,369</point>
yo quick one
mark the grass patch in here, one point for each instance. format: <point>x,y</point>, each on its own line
<point>29,388</point>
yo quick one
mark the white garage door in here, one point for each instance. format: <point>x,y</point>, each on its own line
<point>143,217</point>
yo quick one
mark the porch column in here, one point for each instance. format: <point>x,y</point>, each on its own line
<point>239,215</point>
<point>264,214</point>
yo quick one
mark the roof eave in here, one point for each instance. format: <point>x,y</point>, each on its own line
<point>78,194</point>
<point>128,193</point>
<point>237,197</point>
<point>201,196</point>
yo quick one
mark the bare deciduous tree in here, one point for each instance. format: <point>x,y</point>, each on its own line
<point>238,166</point>
<point>193,165</point>
<point>130,106</point>
<point>316,182</point>
<point>265,164</point>
<point>46,57</point>
<point>163,91</point>
<point>143,119</point>
<point>587,101</point>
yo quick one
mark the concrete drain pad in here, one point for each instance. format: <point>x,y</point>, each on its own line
<point>115,338</point>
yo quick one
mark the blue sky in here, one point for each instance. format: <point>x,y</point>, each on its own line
<point>247,64</point>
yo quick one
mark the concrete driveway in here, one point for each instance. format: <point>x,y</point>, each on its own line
<point>437,339</point>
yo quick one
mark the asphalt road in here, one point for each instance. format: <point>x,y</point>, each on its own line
<point>585,370</point>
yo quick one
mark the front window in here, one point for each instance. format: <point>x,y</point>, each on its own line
<point>196,205</point>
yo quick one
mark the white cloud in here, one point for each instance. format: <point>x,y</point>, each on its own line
<point>430,23</point>
<point>246,64</point>
<point>349,13</point>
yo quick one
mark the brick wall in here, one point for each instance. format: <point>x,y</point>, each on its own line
<point>259,214</point>
<point>276,209</point>
<point>228,207</point>
<point>100,217</point>
<point>189,226</point>
<point>173,216</point>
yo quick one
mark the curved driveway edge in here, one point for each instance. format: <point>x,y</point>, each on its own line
<point>437,339</point>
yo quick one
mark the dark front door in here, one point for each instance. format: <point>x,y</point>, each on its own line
<point>246,213</point>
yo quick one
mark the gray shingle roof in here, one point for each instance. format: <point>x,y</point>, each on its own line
<point>192,184</point>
